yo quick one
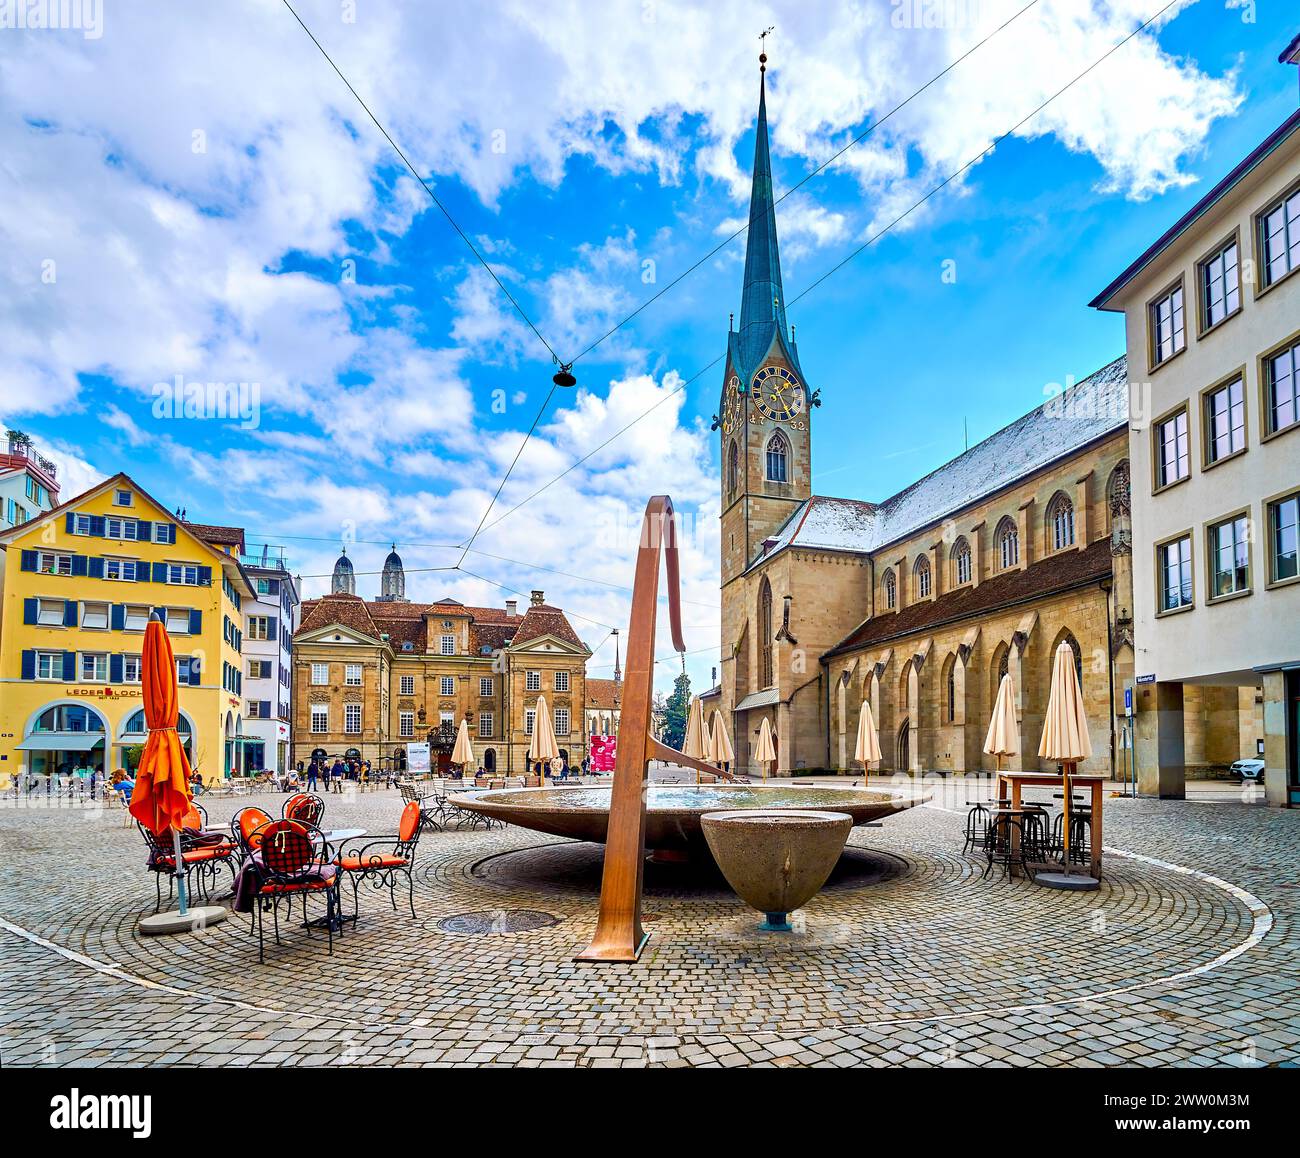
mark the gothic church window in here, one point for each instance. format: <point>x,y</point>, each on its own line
<point>1008,541</point>
<point>733,468</point>
<point>778,453</point>
<point>891,591</point>
<point>765,679</point>
<point>923,578</point>
<point>1060,517</point>
<point>961,562</point>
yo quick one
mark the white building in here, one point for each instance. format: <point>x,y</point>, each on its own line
<point>269,624</point>
<point>28,483</point>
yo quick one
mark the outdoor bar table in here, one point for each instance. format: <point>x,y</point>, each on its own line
<point>1020,780</point>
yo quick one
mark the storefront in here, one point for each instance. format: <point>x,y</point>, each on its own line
<point>65,739</point>
<point>133,734</point>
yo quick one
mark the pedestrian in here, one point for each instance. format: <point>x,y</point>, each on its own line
<point>312,772</point>
<point>325,774</point>
<point>339,771</point>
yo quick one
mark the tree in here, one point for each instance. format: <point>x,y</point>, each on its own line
<point>677,709</point>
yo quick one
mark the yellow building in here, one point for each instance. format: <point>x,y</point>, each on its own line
<point>78,584</point>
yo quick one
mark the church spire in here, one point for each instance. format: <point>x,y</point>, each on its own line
<point>763,299</point>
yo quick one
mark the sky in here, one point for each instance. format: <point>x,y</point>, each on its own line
<point>193,195</point>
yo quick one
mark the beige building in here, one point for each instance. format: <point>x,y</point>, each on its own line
<point>604,706</point>
<point>1212,320</point>
<point>372,677</point>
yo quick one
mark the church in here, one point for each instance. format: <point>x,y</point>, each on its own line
<point>919,603</point>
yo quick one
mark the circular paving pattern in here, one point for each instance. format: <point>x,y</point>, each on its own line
<point>906,930</point>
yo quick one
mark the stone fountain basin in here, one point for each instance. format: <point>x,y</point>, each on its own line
<point>673,811</point>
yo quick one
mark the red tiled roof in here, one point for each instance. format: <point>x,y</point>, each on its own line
<point>1056,573</point>
<point>490,627</point>
<point>543,619</point>
<point>211,533</point>
<point>348,610</point>
<point>604,693</point>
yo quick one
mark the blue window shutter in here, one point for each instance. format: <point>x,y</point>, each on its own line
<point>79,564</point>
<point>97,526</point>
<point>117,616</point>
<point>205,576</point>
<point>171,533</point>
<point>160,572</point>
<point>70,522</point>
<point>273,628</point>
<point>69,665</point>
<point>95,567</point>
<point>142,574</point>
<point>196,622</point>
<point>115,671</point>
<point>29,561</point>
<point>29,665</point>
<point>143,530</point>
<point>29,612</point>
<point>70,613</point>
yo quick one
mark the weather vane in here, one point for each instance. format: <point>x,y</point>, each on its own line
<point>762,44</point>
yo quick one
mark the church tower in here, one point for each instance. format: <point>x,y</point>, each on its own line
<point>344,580</point>
<point>392,583</point>
<point>764,412</point>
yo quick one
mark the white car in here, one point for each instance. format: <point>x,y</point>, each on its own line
<point>1249,769</point>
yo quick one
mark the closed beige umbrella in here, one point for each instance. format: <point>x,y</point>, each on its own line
<point>1003,738</point>
<point>696,743</point>
<point>1065,741</point>
<point>542,747</point>
<point>765,750</point>
<point>720,749</point>
<point>867,748</point>
<point>463,752</point>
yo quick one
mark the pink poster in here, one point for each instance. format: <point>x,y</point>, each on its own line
<point>603,749</point>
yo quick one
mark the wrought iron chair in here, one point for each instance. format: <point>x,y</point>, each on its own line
<point>1080,836</point>
<point>292,860</point>
<point>380,860</point>
<point>244,826</point>
<point>304,806</point>
<point>202,865</point>
<point>1004,844</point>
<point>978,822</point>
<point>432,809</point>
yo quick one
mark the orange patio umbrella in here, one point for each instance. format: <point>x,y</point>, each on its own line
<point>161,796</point>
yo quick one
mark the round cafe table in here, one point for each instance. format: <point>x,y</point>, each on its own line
<point>332,918</point>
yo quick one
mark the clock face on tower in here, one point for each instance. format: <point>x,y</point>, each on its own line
<point>778,393</point>
<point>732,410</point>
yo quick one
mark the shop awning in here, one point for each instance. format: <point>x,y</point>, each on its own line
<point>61,742</point>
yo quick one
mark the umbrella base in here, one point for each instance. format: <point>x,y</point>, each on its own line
<point>200,917</point>
<point>1074,882</point>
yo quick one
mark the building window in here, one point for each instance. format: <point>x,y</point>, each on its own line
<point>406,723</point>
<point>51,563</point>
<point>1172,459</point>
<point>352,718</point>
<point>259,627</point>
<point>49,665</point>
<point>1279,235</point>
<point>259,669</point>
<point>186,574</point>
<point>406,685</point>
<point>952,692</point>
<point>485,685</point>
<point>1225,422</point>
<point>1229,544</point>
<point>1282,385</point>
<point>447,685</point>
<point>121,498</point>
<point>765,673</point>
<point>50,612</point>
<point>123,570</point>
<point>961,563</point>
<point>135,617</point>
<point>447,645</point>
<point>533,681</point>
<point>320,718</point>
<point>1008,543</point>
<point>1283,530</point>
<point>530,716</point>
<point>352,675</point>
<point>891,590</point>
<point>485,725</point>
<point>1167,336</point>
<point>561,721</point>
<point>777,458</point>
<point>94,616</point>
<point>733,468</point>
<point>177,620</point>
<point>1220,286</point>
<point>1060,514</point>
<point>320,674</point>
<point>1175,574</point>
<point>130,669</point>
<point>94,667</point>
<point>561,681</point>
<point>922,578</point>
<point>121,529</point>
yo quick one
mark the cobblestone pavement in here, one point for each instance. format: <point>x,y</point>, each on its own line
<point>1184,957</point>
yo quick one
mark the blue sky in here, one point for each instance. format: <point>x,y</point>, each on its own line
<point>246,222</point>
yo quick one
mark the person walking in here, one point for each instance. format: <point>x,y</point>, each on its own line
<point>312,772</point>
<point>339,771</point>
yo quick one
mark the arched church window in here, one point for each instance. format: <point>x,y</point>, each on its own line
<point>961,562</point>
<point>952,691</point>
<point>733,467</point>
<point>891,590</point>
<point>923,578</point>
<point>778,455</point>
<point>765,679</point>
<point>1008,544</point>
<point>1060,517</point>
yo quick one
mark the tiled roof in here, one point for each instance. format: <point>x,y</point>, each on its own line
<point>348,610</point>
<point>603,693</point>
<point>1059,572</point>
<point>543,619</point>
<point>210,533</point>
<point>1094,407</point>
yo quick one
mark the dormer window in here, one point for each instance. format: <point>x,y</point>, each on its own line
<point>122,498</point>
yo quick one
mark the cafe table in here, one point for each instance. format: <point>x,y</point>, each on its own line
<point>1017,781</point>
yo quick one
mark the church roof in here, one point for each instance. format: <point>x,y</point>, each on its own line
<point>1088,410</point>
<point>603,693</point>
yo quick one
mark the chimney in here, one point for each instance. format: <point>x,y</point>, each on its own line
<point>539,597</point>
<point>512,607</point>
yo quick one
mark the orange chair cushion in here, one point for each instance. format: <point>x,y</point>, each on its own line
<point>354,862</point>
<point>196,855</point>
<point>410,823</point>
<point>250,820</point>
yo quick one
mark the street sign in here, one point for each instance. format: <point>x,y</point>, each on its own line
<point>1147,679</point>
<point>1128,701</point>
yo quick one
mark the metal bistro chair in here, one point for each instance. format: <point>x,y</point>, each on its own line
<point>380,860</point>
<point>244,826</point>
<point>431,814</point>
<point>293,861</point>
<point>304,806</point>
<point>978,822</point>
<point>1080,836</point>
<point>202,863</point>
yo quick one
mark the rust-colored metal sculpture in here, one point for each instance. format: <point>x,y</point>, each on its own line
<point>619,936</point>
